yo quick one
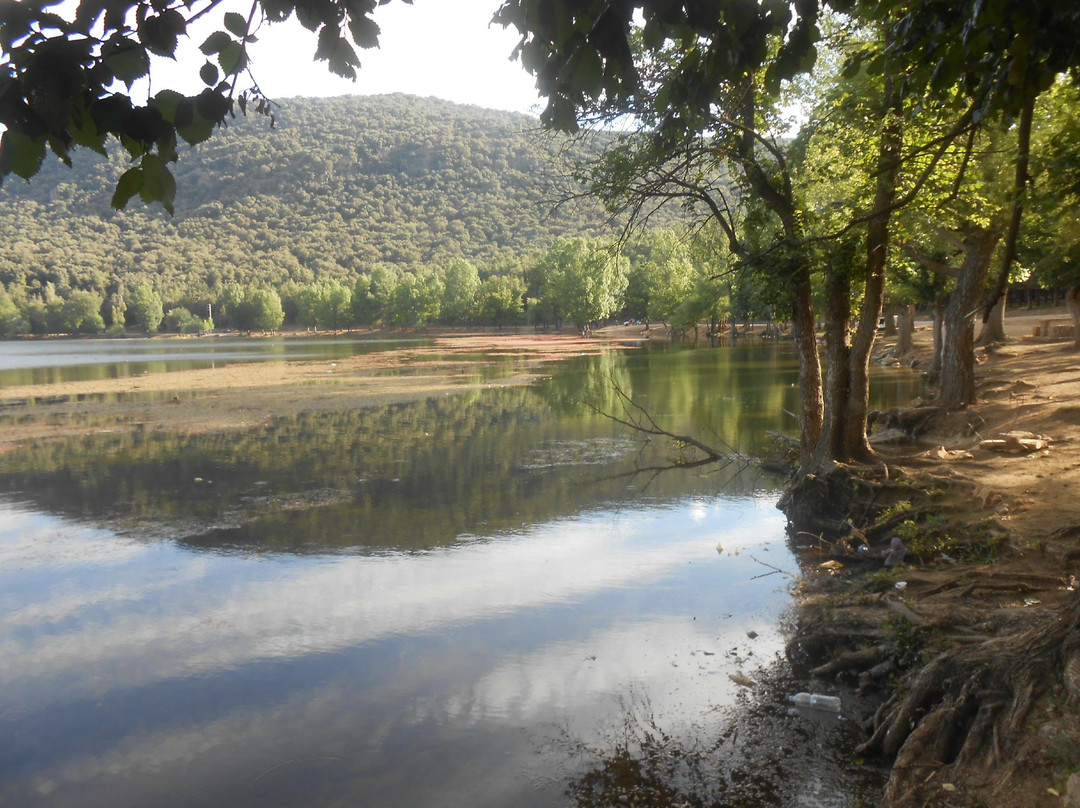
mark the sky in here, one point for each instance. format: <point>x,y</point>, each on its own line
<point>441,48</point>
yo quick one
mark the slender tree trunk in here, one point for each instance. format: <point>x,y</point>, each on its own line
<point>993,329</point>
<point>802,316</point>
<point>830,446</point>
<point>1020,181</point>
<point>907,329</point>
<point>958,358</point>
<point>939,334</point>
<point>1072,303</point>
<point>856,445</point>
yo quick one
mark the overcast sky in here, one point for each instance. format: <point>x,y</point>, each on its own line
<point>442,48</point>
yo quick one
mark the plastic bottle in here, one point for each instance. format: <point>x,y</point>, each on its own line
<point>817,701</point>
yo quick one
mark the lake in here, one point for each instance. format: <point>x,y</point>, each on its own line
<point>486,599</point>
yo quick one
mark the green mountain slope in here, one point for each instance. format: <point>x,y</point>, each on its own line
<point>339,185</point>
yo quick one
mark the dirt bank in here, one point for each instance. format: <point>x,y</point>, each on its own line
<point>970,646</point>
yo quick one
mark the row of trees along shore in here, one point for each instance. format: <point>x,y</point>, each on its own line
<point>659,276</point>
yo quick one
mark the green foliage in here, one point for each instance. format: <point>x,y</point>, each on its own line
<point>326,304</point>
<point>416,299</point>
<point>146,307</point>
<point>79,313</point>
<point>582,281</point>
<point>461,287</point>
<point>978,543</point>
<point>251,309</point>
<point>61,67</point>
<point>339,187</point>
<point>179,320</point>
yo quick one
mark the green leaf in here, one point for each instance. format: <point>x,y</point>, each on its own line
<point>334,49</point>
<point>128,63</point>
<point>209,74</point>
<point>365,31</point>
<point>159,34</point>
<point>166,102</point>
<point>85,133</point>
<point>126,187</point>
<point>232,58</point>
<point>20,154</point>
<point>236,24</point>
<point>158,183</point>
<point>215,43</point>
<point>198,130</point>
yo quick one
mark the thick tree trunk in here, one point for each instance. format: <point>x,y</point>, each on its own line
<point>907,329</point>
<point>958,357</point>
<point>1072,303</point>
<point>993,329</point>
<point>890,320</point>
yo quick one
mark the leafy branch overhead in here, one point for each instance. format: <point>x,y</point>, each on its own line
<point>67,79</point>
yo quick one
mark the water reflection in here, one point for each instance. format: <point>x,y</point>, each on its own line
<point>220,668</point>
<point>67,360</point>
<point>394,606</point>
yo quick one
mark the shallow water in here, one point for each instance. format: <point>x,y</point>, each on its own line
<point>419,604</point>
<point>67,360</point>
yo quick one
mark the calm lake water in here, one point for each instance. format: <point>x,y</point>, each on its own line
<point>443,603</point>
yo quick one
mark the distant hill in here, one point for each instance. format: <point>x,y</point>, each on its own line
<point>339,185</point>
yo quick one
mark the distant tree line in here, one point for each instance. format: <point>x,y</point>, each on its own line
<point>659,276</point>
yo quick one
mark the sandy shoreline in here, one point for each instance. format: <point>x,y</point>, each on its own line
<point>239,395</point>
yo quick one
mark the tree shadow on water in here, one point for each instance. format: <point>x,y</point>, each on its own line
<point>755,753</point>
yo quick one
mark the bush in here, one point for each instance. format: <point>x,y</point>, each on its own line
<point>181,321</point>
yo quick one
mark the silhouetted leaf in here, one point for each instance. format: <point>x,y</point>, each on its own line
<point>126,187</point>
<point>20,155</point>
<point>235,24</point>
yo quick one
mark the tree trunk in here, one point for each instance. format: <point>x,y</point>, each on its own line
<point>907,329</point>
<point>856,444</point>
<point>1072,303</point>
<point>830,446</point>
<point>890,320</point>
<point>1020,181</point>
<point>939,335</point>
<point>802,316</point>
<point>958,357</point>
<point>993,329</point>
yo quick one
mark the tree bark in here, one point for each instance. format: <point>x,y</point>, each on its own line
<point>802,318</point>
<point>856,445</point>
<point>1072,303</point>
<point>907,329</point>
<point>890,320</point>
<point>939,334</point>
<point>1020,181</point>
<point>830,445</point>
<point>993,329</point>
<point>958,357</point>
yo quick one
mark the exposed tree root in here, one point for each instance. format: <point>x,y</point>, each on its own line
<point>969,706</point>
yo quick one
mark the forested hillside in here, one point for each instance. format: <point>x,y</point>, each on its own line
<point>336,187</point>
